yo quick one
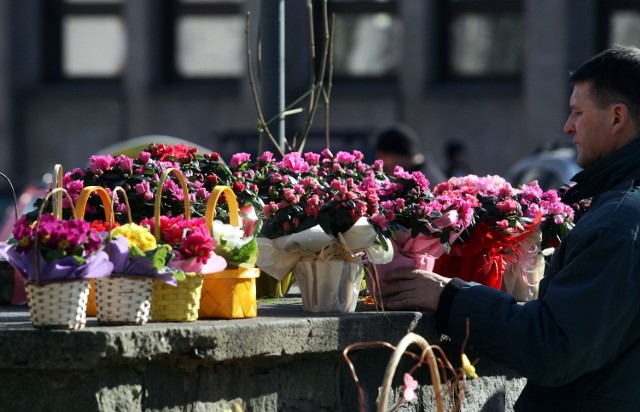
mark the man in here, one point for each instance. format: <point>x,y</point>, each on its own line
<point>578,345</point>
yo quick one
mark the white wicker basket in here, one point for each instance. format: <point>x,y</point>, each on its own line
<point>58,305</point>
<point>123,300</point>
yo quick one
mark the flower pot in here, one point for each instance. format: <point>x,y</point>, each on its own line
<point>123,300</point>
<point>58,305</point>
<point>229,294</point>
<point>269,287</point>
<point>328,285</point>
<point>177,303</point>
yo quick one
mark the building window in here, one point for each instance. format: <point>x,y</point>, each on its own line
<point>620,23</point>
<point>205,40</point>
<point>481,40</point>
<point>368,39</point>
<point>84,40</point>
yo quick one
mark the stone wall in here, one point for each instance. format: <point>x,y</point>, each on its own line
<point>282,360</point>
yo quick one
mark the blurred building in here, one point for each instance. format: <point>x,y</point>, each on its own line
<point>80,75</point>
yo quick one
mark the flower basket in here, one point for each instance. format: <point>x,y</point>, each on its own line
<point>56,304</point>
<point>123,300</point>
<point>175,303</point>
<point>231,293</point>
<point>119,299</point>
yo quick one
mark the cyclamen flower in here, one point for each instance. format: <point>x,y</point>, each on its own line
<point>101,164</point>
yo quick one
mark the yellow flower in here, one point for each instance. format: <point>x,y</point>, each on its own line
<point>468,368</point>
<point>136,236</point>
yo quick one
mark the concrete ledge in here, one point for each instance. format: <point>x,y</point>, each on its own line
<point>284,359</point>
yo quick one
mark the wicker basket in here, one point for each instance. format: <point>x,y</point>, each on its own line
<point>59,304</point>
<point>231,293</point>
<point>175,303</point>
<point>123,299</point>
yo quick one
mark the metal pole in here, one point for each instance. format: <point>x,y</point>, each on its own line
<point>272,20</point>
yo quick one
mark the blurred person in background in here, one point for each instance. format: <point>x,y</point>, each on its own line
<point>457,161</point>
<point>399,145</point>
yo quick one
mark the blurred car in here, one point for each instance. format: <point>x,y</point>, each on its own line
<point>552,164</point>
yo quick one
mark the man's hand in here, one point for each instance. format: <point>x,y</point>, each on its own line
<point>412,289</point>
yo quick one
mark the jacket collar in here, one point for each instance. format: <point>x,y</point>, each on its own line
<point>605,173</point>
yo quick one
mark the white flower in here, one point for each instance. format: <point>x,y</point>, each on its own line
<point>228,235</point>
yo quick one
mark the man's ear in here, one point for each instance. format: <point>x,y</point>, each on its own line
<point>620,113</point>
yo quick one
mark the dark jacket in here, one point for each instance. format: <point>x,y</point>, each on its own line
<point>578,345</point>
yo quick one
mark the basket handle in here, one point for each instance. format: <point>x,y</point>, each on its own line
<point>53,192</point>
<point>409,339</point>
<point>58,179</point>
<point>232,201</point>
<point>126,201</point>
<point>81,205</point>
<point>158,201</point>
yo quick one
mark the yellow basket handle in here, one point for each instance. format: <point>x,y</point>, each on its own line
<point>156,207</point>
<point>232,201</point>
<point>81,206</point>
<point>55,191</point>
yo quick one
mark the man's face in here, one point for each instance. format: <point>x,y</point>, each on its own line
<point>589,126</point>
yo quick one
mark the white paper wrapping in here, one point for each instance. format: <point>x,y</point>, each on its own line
<point>522,278</point>
<point>277,257</point>
<point>328,286</point>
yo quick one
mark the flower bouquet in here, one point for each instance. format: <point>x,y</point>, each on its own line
<point>230,293</point>
<point>56,257</point>
<point>193,248</point>
<point>420,225</point>
<point>480,255</point>
<point>320,221</point>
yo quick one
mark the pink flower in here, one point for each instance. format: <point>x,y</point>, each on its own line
<point>144,188</point>
<point>293,162</point>
<point>144,157</point>
<point>312,158</point>
<point>100,164</point>
<point>125,163</point>
<point>239,158</point>
<point>410,386</point>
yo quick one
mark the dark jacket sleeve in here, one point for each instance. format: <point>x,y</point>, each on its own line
<point>586,317</point>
